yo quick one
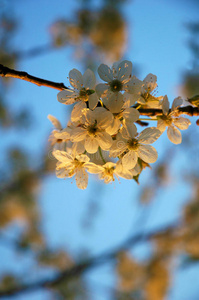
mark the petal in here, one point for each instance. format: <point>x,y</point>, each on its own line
<point>77,111</point>
<point>114,127</point>
<point>105,73</point>
<point>124,70</point>
<point>78,134</point>
<point>174,135</point>
<point>129,131</point>
<point>93,100</point>
<point>131,115</point>
<point>147,153</point>
<point>130,99</point>
<point>165,105</point>
<point>67,96</point>
<point>102,89</point>
<point>182,123</point>
<point>81,178</point>
<point>150,82</point>
<point>63,135</point>
<point>62,156</point>
<point>93,168</point>
<point>55,122</point>
<point>104,117</point>
<point>149,135</point>
<point>104,140</point>
<point>76,79</point>
<point>176,103</point>
<point>161,125</point>
<point>78,147</point>
<point>64,172</point>
<point>133,86</point>
<point>129,160</point>
<point>114,102</point>
<point>89,79</point>
<point>91,144</point>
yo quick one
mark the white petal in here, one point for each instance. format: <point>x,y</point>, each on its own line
<point>114,127</point>
<point>91,144</point>
<point>104,140</point>
<point>174,135</point>
<point>129,131</point>
<point>55,122</point>
<point>124,70</point>
<point>133,86</point>
<point>105,73</point>
<point>76,79</point>
<point>102,89</point>
<point>104,117</point>
<point>130,99</point>
<point>131,114</point>
<point>64,172</point>
<point>81,178</point>
<point>89,79</point>
<point>161,125</point>
<point>114,102</point>
<point>149,135</point>
<point>78,147</point>
<point>83,158</point>
<point>182,123</point>
<point>176,103</point>
<point>147,153</point>
<point>150,82</point>
<point>78,134</point>
<point>93,168</point>
<point>93,100</point>
<point>62,156</point>
<point>165,105</point>
<point>67,96</point>
<point>63,134</point>
<point>77,111</point>
<point>129,160</point>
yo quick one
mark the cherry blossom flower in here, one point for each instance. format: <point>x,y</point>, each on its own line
<point>59,136</point>
<point>117,79</point>
<point>93,130</point>
<point>146,97</point>
<point>172,120</point>
<point>129,147</point>
<point>110,170</point>
<point>70,165</point>
<point>83,91</point>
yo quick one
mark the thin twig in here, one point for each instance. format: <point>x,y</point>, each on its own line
<point>7,72</point>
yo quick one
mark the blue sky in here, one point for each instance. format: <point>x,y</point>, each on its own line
<point>156,44</point>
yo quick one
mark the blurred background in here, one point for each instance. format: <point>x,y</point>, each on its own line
<point>47,225</point>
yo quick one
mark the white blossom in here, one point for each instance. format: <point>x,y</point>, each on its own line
<point>172,120</point>
<point>70,165</point>
<point>83,91</point>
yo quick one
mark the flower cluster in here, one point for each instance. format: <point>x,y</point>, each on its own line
<point>101,137</point>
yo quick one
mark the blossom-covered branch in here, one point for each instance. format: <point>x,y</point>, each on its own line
<point>86,265</point>
<point>7,72</point>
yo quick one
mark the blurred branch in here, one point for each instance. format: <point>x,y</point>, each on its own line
<point>7,72</point>
<point>82,267</point>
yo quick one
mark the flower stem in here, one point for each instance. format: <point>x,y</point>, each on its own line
<point>100,152</point>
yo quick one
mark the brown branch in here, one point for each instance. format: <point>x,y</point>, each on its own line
<point>82,267</point>
<point>186,110</point>
<point>7,72</point>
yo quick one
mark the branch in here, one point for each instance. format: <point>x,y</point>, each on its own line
<point>7,72</point>
<point>82,267</point>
